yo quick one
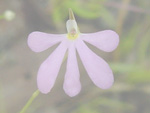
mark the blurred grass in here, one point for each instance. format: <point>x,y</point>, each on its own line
<point>104,105</point>
<point>134,73</point>
<point>131,60</point>
<point>2,100</point>
<point>92,10</point>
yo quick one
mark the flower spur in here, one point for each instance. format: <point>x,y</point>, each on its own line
<point>97,69</point>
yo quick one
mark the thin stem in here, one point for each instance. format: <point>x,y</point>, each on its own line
<point>34,95</point>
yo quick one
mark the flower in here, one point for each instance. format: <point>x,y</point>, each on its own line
<point>97,69</point>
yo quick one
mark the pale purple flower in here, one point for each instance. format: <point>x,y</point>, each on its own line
<point>97,69</point>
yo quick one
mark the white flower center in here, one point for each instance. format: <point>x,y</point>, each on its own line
<point>72,29</point>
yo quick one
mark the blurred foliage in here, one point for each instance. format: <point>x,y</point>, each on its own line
<point>134,45</point>
<point>2,102</point>
<point>134,73</point>
<point>143,3</point>
<point>127,43</point>
<point>105,105</point>
<point>133,52</point>
<point>92,10</point>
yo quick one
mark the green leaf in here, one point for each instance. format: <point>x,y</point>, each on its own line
<point>139,76</point>
<point>82,11</point>
<point>57,17</point>
<point>144,47</point>
<point>135,73</point>
<point>128,41</point>
<point>123,67</point>
<point>107,17</point>
<point>99,105</point>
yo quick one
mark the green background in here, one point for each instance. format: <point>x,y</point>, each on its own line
<point>130,62</point>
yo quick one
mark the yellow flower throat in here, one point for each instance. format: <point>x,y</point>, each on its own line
<point>72,36</point>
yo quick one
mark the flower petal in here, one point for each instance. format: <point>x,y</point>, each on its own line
<point>98,70</point>
<point>107,40</point>
<point>72,84</point>
<point>49,69</point>
<point>39,41</point>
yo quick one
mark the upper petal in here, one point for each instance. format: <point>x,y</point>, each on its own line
<point>72,85</point>
<point>106,40</point>
<point>39,41</point>
<point>98,70</point>
<point>49,69</point>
